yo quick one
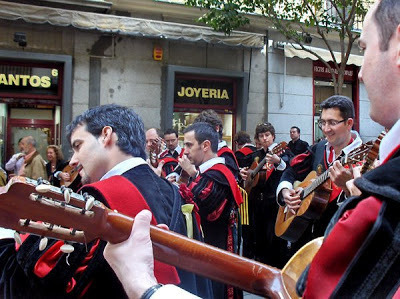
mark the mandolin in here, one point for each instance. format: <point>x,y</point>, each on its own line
<point>254,170</point>
<point>372,154</point>
<point>315,198</point>
<point>44,210</point>
<point>75,180</point>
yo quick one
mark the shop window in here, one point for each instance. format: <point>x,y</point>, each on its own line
<point>182,120</point>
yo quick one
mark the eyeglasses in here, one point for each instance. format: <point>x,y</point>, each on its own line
<point>330,122</point>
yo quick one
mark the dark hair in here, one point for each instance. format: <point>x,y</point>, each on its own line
<point>57,151</point>
<point>387,18</point>
<point>297,128</point>
<point>171,131</point>
<point>265,127</point>
<point>211,117</point>
<point>242,137</point>
<point>344,104</point>
<point>204,131</point>
<point>124,121</point>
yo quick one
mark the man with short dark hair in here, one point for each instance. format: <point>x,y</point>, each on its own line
<point>259,240</point>
<point>109,145</point>
<point>171,155</point>
<point>336,122</point>
<point>214,191</point>
<point>173,148</point>
<point>212,117</point>
<point>296,145</point>
<point>245,149</point>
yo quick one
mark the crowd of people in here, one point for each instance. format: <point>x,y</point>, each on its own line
<point>197,189</point>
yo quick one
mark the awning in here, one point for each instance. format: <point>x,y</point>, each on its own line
<point>125,25</point>
<point>291,51</point>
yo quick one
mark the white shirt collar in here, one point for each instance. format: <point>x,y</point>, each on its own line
<point>221,144</point>
<point>123,166</point>
<point>390,142</point>
<point>210,163</point>
<point>178,149</point>
<point>356,143</point>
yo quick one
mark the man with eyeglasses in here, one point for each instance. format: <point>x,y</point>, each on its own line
<point>336,122</point>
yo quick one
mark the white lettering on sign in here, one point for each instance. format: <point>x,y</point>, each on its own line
<point>322,69</point>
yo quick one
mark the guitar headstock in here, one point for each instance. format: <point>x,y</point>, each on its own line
<point>357,155</point>
<point>48,211</point>
<point>279,148</point>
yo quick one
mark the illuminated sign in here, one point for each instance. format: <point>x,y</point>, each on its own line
<point>204,91</point>
<point>28,80</point>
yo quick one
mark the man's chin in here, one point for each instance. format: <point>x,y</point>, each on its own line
<point>86,180</point>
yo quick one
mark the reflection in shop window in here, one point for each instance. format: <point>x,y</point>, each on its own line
<point>181,120</point>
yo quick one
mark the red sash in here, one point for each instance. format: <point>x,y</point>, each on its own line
<point>231,180</point>
<point>226,149</point>
<point>246,150</point>
<point>127,199</point>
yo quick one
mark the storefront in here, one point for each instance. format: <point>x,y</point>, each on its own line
<point>32,95</point>
<point>323,88</point>
<point>191,90</point>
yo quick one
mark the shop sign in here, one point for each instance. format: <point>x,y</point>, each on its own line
<point>204,91</point>
<point>320,70</point>
<point>28,80</point>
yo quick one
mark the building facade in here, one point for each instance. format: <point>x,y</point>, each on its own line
<point>58,60</point>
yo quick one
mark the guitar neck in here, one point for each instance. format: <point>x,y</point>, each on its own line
<point>206,260</point>
<point>259,167</point>
<point>321,179</point>
<point>275,150</point>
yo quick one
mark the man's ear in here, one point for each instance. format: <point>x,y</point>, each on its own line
<point>107,134</point>
<point>350,122</point>
<point>397,35</point>
<point>206,144</point>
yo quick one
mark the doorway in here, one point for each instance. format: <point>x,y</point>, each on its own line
<point>41,126</point>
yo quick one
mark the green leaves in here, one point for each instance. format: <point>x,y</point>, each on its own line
<point>297,20</point>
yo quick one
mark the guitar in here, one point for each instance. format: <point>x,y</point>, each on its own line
<point>74,176</point>
<point>49,213</point>
<point>372,154</point>
<point>254,175</point>
<point>315,198</point>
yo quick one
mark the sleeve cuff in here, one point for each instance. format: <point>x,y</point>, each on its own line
<point>6,233</point>
<point>172,291</point>
<point>281,166</point>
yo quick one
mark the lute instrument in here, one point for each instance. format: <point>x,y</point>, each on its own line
<point>43,210</point>
<point>254,170</point>
<point>314,199</point>
<point>372,154</point>
<point>74,180</point>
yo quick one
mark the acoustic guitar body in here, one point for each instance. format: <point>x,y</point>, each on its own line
<point>251,182</point>
<point>297,264</point>
<point>291,226</point>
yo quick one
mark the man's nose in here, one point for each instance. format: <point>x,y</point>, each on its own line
<point>74,161</point>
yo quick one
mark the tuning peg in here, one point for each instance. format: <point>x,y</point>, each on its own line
<point>43,188</point>
<point>43,243</point>
<point>67,248</point>
<point>17,238</point>
<point>67,193</point>
<point>89,201</point>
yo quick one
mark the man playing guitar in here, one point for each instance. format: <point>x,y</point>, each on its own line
<point>337,118</point>
<point>261,242</point>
